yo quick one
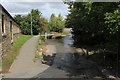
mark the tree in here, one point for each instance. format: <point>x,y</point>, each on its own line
<point>113,24</point>
<point>52,23</point>
<point>88,22</point>
<point>18,19</point>
<point>38,23</point>
<point>56,24</point>
<point>44,25</point>
<point>96,26</point>
<point>25,26</point>
<point>36,15</point>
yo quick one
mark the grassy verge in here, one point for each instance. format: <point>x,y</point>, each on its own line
<point>60,34</point>
<point>40,49</point>
<point>11,54</point>
<point>65,33</point>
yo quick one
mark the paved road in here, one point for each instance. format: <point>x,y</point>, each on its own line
<point>23,66</point>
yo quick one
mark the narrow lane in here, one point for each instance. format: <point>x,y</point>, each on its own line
<point>23,66</point>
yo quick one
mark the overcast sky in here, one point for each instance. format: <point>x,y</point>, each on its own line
<point>47,7</point>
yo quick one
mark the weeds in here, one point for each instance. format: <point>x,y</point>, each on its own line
<point>39,51</point>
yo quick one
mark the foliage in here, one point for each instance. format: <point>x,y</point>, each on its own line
<point>39,24</point>
<point>95,27</point>
<point>18,19</point>
<point>40,43</point>
<point>34,59</point>
<point>18,44</point>
<point>94,23</point>
<point>37,55</point>
<point>113,24</point>
<point>56,24</point>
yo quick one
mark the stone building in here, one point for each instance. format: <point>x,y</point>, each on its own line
<point>9,30</point>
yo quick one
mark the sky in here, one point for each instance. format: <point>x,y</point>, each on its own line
<point>46,7</point>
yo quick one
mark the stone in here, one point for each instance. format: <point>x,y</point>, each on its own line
<point>11,30</point>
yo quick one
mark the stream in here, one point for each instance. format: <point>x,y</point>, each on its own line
<point>66,63</point>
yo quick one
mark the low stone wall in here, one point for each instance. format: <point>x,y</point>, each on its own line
<point>6,41</point>
<point>16,36</point>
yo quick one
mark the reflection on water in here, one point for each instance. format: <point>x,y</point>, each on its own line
<point>64,54</point>
<point>68,60</point>
<point>65,42</point>
<point>68,41</point>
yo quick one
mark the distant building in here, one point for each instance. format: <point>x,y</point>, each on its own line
<point>9,30</point>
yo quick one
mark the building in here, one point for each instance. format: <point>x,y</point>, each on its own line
<point>9,30</point>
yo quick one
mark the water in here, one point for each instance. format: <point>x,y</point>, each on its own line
<point>64,59</point>
<point>62,45</point>
<point>66,62</point>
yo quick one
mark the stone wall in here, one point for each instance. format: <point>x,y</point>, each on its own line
<point>11,30</point>
<point>0,31</point>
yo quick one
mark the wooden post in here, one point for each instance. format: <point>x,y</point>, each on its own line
<point>45,35</point>
<point>31,25</point>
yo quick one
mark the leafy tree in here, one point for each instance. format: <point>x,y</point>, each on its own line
<point>88,22</point>
<point>56,24</point>
<point>44,25</point>
<point>96,26</point>
<point>36,14</point>
<point>18,18</point>
<point>113,24</point>
<point>25,25</point>
<point>59,23</point>
<point>38,23</point>
<point>52,23</point>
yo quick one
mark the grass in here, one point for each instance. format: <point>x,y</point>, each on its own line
<point>37,55</point>
<point>60,34</point>
<point>65,33</point>
<point>34,59</point>
<point>39,46</point>
<point>18,44</point>
<point>68,29</point>
<point>12,53</point>
<point>40,42</point>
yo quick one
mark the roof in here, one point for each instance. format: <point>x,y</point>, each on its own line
<point>3,9</point>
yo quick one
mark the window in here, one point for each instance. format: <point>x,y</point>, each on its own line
<point>11,30</point>
<point>10,26</point>
<point>3,24</point>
